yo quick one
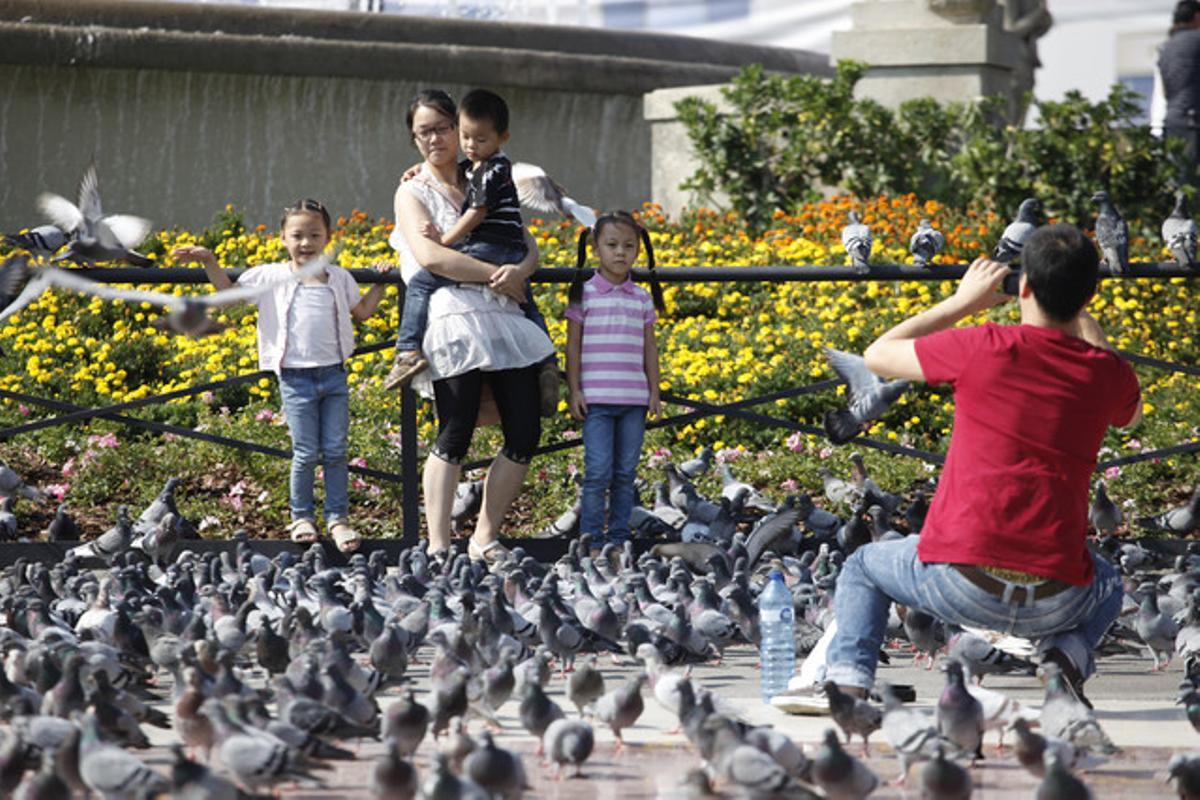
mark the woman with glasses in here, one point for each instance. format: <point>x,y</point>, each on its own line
<point>477,340</point>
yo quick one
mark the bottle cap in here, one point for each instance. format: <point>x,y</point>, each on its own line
<point>775,575</point>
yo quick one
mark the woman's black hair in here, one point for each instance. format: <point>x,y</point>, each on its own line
<point>575,293</point>
<point>436,99</point>
<point>307,206</point>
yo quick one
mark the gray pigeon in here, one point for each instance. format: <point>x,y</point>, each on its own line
<point>1059,783</point>
<point>909,731</point>
<point>942,779</point>
<point>695,467</point>
<point>8,520</point>
<point>869,396</point>
<point>979,658</point>
<point>110,771</point>
<point>926,243</point>
<point>15,272</point>
<point>1104,515</point>
<point>852,714</point>
<point>111,544</point>
<point>1156,630</point>
<point>586,684</point>
<point>959,715</point>
<point>497,770</point>
<point>621,707</point>
<point>95,236</point>
<point>43,240</point>
<point>392,777</point>
<point>857,239</point>
<point>926,632</point>
<point>1012,241</point>
<point>753,772</point>
<point>1030,748</point>
<point>406,723</point>
<point>1179,521</point>
<point>1112,234</point>
<point>1065,717</point>
<point>445,785</point>
<point>778,526</point>
<point>569,742</point>
<point>1184,772</point>
<point>62,528</point>
<point>537,711</point>
<point>468,498</point>
<point>1179,233</point>
<point>13,485</point>
<point>840,775</point>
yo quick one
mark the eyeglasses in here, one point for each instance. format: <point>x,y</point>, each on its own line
<point>428,134</point>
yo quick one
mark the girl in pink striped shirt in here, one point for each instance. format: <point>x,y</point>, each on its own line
<point>612,370</point>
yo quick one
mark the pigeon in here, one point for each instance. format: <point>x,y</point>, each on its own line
<point>959,715</point>
<point>1012,241</point>
<point>1104,515</point>
<point>110,771</point>
<point>496,769</point>
<point>869,396</point>
<point>1179,233</point>
<point>537,191</point>
<point>980,658</point>
<point>1031,748</point>
<point>13,485</point>
<point>8,520</point>
<point>852,714</point>
<point>927,634</point>
<point>926,243</point>
<point>445,785</point>
<point>1178,521</point>
<point>1065,717</point>
<point>695,467</point>
<point>1059,783</point>
<point>41,241</point>
<point>586,685</point>
<point>753,772</point>
<point>95,236</point>
<point>621,707</point>
<point>62,528</point>
<point>15,272</point>
<point>193,781</point>
<point>778,526</point>
<point>45,783</point>
<point>468,498</point>
<point>1112,234</point>
<point>393,778</point>
<point>1156,630</point>
<point>457,744</point>
<point>537,711</point>
<point>406,724</point>
<point>1184,772</point>
<point>944,780</point>
<point>909,731</point>
<point>568,742</point>
<point>840,775</point>
<point>113,543</point>
<point>857,239</point>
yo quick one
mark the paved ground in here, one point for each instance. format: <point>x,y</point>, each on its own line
<point>1136,708</point>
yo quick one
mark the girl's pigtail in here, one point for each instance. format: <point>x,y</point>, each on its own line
<point>575,293</point>
<point>656,291</point>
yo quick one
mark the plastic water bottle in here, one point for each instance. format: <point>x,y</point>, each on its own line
<point>778,647</point>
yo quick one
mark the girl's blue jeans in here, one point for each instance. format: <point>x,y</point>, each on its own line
<point>876,574</point>
<point>316,402</point>
<point>612,444</point>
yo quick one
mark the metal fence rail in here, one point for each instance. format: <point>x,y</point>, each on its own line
<point>409,477</point>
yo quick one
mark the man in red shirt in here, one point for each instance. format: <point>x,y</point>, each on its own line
<point>1003,546</point>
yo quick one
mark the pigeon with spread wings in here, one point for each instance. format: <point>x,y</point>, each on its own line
<point>186,314</point>
<point>94,236</point>
<point>869,396</point>
<point>539,192</point>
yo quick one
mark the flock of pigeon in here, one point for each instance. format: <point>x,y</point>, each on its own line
<point>272,669</point>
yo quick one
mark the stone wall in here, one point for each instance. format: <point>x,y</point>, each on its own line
<point>185,108</point>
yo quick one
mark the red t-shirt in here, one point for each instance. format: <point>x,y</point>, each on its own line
<point>1031,408</point>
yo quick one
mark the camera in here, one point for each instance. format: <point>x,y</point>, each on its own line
<point>1011,281</point>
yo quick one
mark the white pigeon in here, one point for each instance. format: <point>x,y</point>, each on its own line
<point>538,191</point>
<point>95,236</point>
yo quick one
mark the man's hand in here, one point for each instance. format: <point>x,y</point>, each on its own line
<point>654,410</point>
<point>577,405</point>
<point>979,288</point>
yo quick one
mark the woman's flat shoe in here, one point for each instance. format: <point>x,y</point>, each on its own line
<point>302,531</point>
<point>344,537</point>
<point>490,554</point>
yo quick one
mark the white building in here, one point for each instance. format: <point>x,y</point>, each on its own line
<point>1093,44</point>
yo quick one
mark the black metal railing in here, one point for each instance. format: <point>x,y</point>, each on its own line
<point>409,478</point>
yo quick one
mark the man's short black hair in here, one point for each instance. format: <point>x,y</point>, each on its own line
<point>1061,266</point>
<point>482,105</point>
<point>1185,11</point>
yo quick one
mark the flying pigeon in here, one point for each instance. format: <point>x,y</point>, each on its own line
<point>857,239</point>
<point>870,396</point>
<point>44,240</point>
<point>926,243</point>
<point>536,190</point>
<point>95,236</point>
<point>1112,234</point>
<point>1179,232</point>
<point>15,273</point>
<point>1012,241</point>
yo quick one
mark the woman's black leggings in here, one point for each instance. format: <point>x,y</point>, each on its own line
<point>457,402</point>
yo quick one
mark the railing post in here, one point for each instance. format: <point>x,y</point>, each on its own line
<point>410,498</point>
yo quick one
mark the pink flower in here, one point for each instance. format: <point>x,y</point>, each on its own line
<point>825,452</point>
<point>265,415</point>
<point>234,501</point>
<point>1134,444</point>
<point>729,455</point>
<point>572,468</point>
<point>358,461</point>
<point>789,485</point>
<point>1112,472</point>
<point>207,398</point>
<point>542,475</point>
<point>23,409</point>
<point>358,483</point>
<point>662,452</point>
<point>238,489</point>
<point>68,468</point>
<point>795,443</point>
<point>102,442</point>
<point>570,435</point>
<point>56,490</point>
<point>655,461</point>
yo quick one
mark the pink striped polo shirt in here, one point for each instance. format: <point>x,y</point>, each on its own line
<point>612,368</point>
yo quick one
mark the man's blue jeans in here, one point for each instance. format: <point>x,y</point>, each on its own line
<point>612,444</point>
<point>316,402</point>
<point>876,574</point>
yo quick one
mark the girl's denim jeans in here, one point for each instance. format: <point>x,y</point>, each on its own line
<point>316,402</point>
